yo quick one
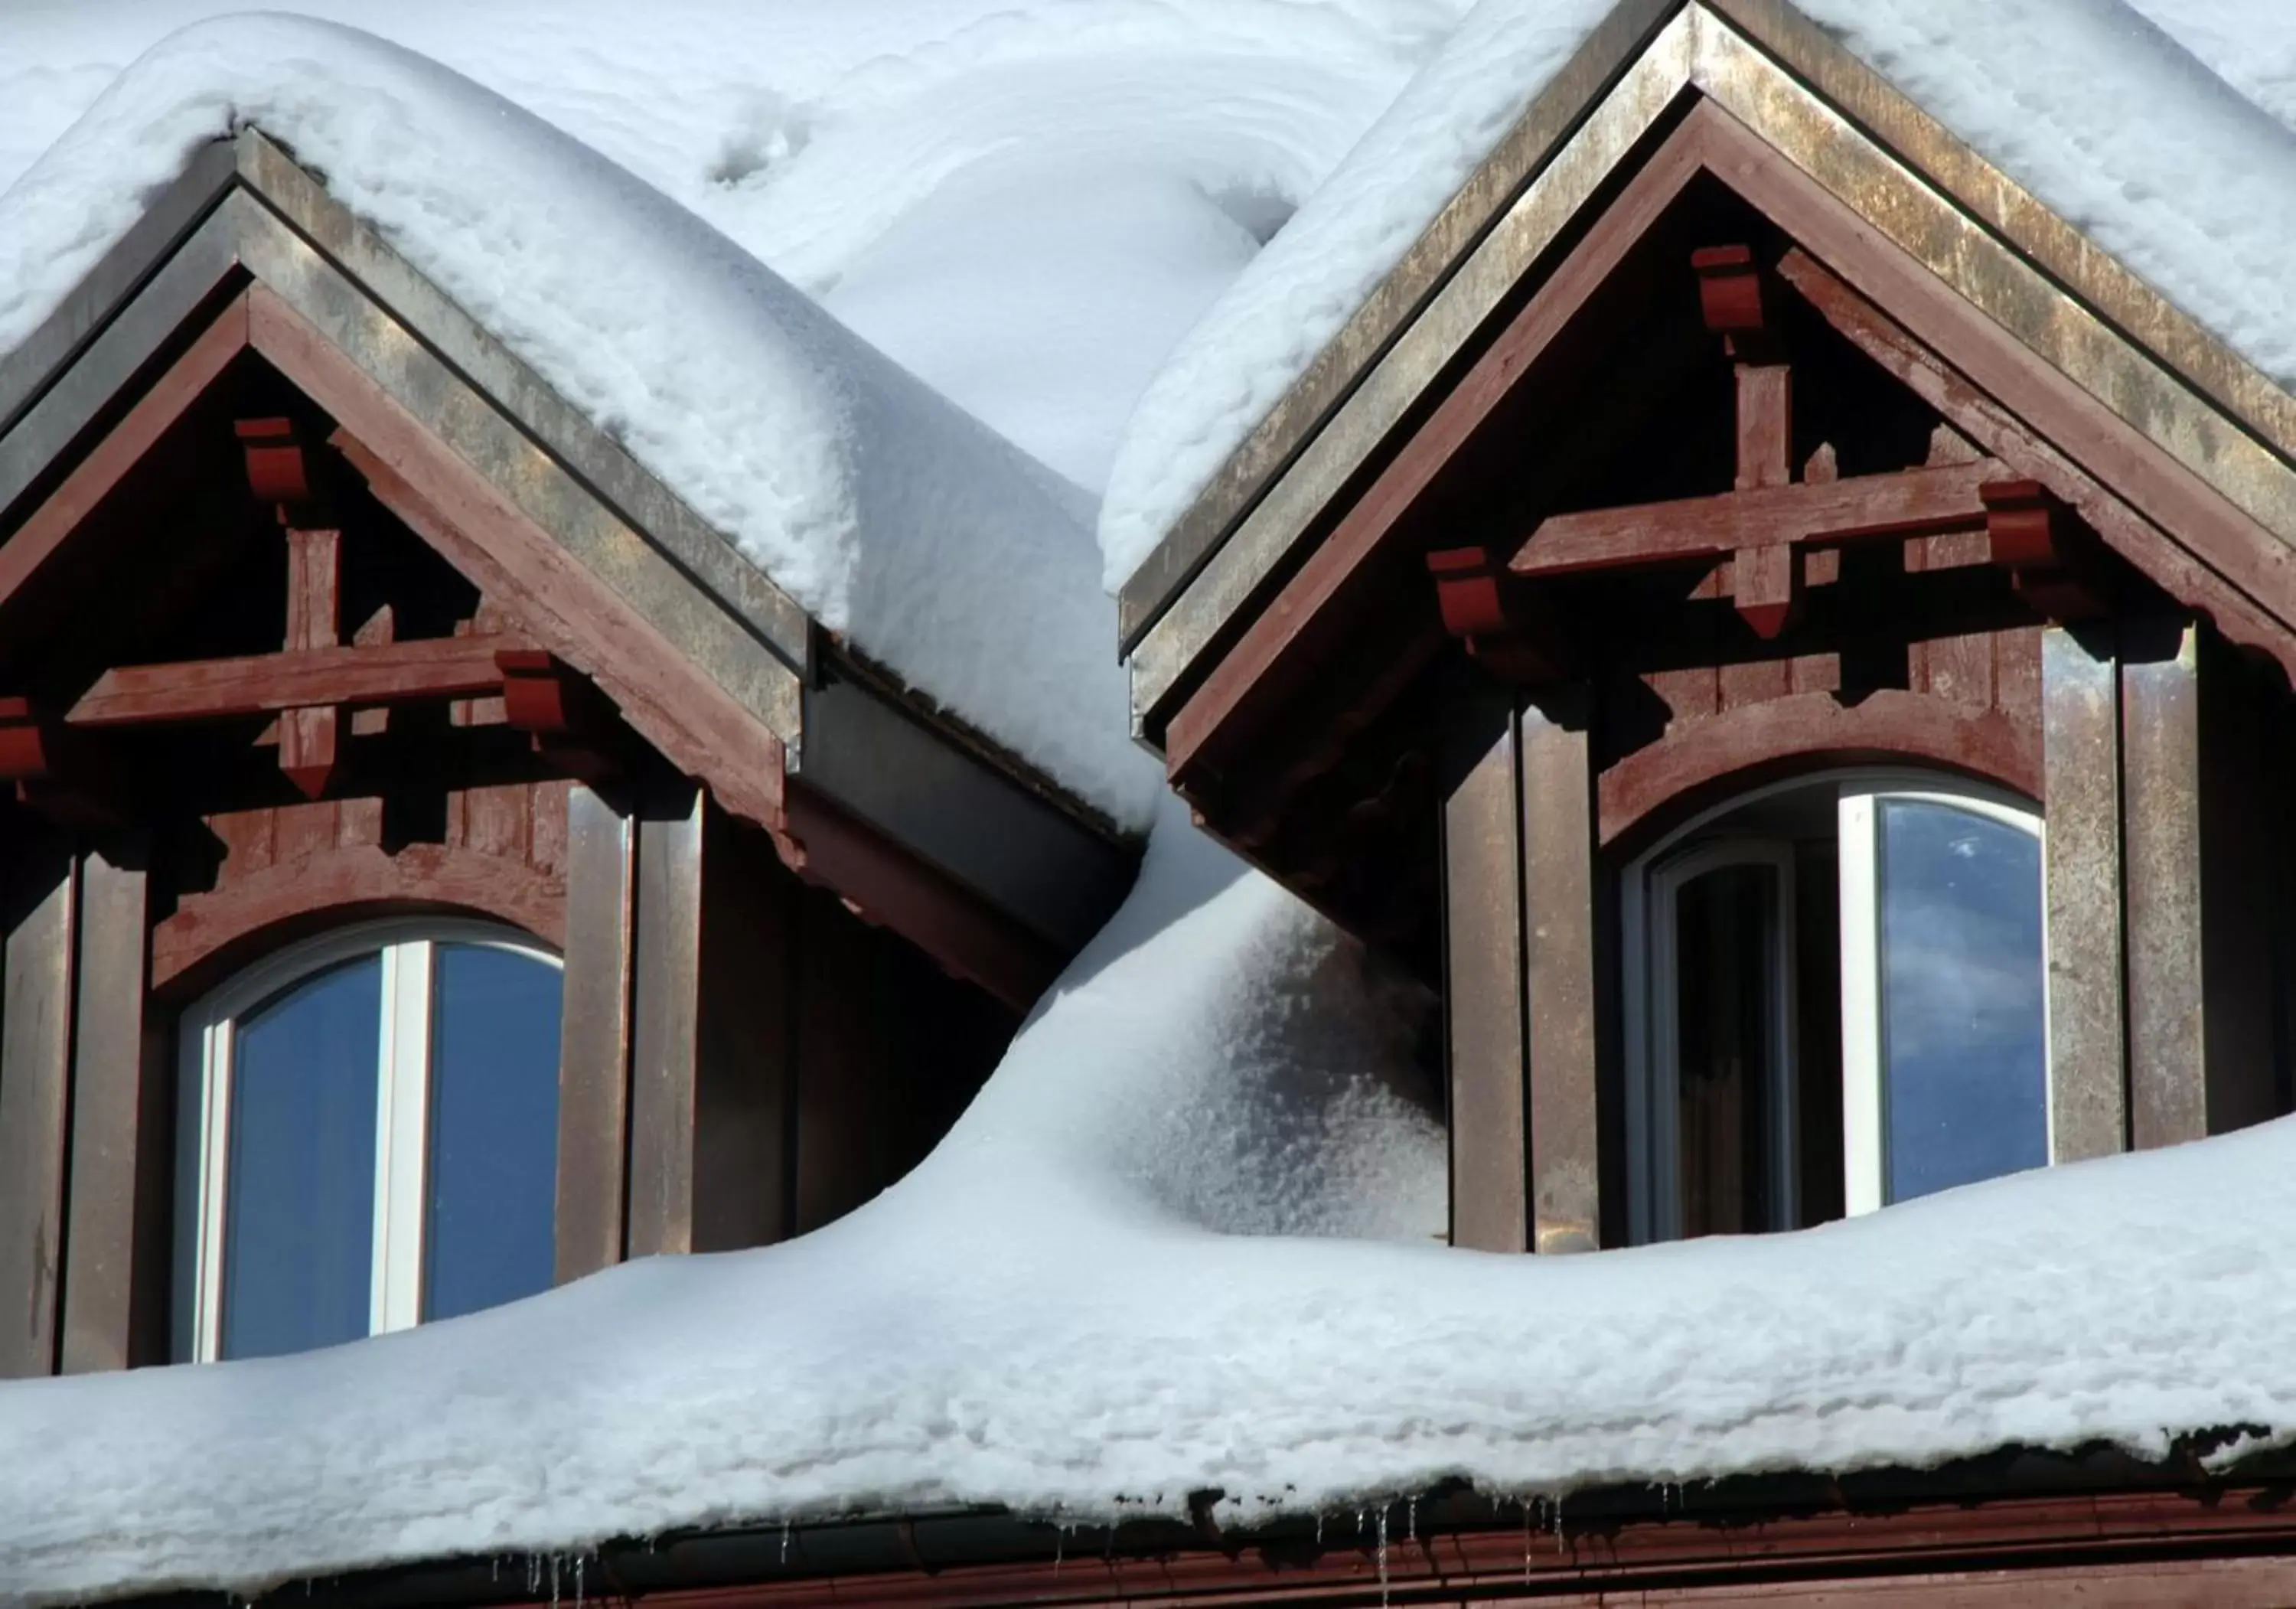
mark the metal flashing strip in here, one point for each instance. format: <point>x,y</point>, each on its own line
<point>1700,52</point>
<point>1022,853</point>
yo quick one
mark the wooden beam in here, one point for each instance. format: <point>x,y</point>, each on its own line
<point>2080,746</point>
<point>1560,1003</point>
<point>308,750</point>
<point>116,1286</point>
<point>1482,964</point>
<point>1906,502</point>
<point>265,684</point>
<point>594,1067</point>
<point>39,903</point>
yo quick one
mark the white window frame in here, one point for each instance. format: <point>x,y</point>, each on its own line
<point>407,946</point>
<point>1646,932</point>
<point>1865,1111</point>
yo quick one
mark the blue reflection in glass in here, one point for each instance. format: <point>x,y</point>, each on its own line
<point>494,1128</point>
<point>299,1210</point>
<point>1963,1042</point>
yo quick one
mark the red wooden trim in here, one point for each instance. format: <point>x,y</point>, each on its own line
<point>386,673</point>
<point>2218,559</point>
<point>123,447</point>
<point>212,933</point>
<point>308,748</point>
<point>2232,1550</point>
<point>884,884</point>
<point>1904,503</point>
<point>1695,757</point>
<point>1240,688</point>
<point>673,704</point>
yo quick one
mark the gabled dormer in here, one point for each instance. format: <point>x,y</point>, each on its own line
<point>437,863</point>
<point>1791,637</point>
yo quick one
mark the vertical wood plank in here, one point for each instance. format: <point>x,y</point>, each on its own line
<point>2081,743</point>
<point>1559,986</point>
<point>38,901</point>
<point>747,1144</point>
<point>1482,989</point>
<point>115,1289</point>
<point>546,849</point>
<point>302,830</point>
<point>665,1025</point>
<point>2161,807</point>
<point>712,1090</point>
<point>495,820</point>
<point>840,1064</point>
<point>594,1064</point>
<point>2240,832</point>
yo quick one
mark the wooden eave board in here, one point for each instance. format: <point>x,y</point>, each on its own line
<point>1835,121</point>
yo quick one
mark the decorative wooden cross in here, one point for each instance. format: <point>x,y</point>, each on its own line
<point>1767,525</point>
<point>319,688</point>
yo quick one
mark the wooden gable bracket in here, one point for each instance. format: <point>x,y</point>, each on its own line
<point>1507,628</point>
<point>281,470</point>
<point>574,727</point>
<point>2048,554</point>
<point>66,775</point>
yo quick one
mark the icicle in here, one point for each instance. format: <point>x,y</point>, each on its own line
<point>1382,1556</point>
<point>785,1537</point>
<point>581,1561</point>
<point>1319,1528</point>
<point>1526,1544</point>
<point>1411,1521</point>
<point>553,1581</point>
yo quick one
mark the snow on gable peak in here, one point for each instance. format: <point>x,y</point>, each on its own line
<point>939,549</point>
<point>2153,157</point>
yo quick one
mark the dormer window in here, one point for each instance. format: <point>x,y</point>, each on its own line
<point>1835,1000</point>
<point>375,1141</point>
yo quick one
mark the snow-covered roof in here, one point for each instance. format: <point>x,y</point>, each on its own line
<point>939,549</point>
<point>1199,1179</point>
<point>2086,103</point>
<point>1121,1280</point>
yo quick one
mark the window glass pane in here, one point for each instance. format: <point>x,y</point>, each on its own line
<point>494,1128</point>
<point>299,1199</point>
<point>1727,982</point>
<point>1965,1053</point>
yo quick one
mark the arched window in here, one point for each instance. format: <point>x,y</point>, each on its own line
<point>371,1138</point>
<point>1835,1000</point>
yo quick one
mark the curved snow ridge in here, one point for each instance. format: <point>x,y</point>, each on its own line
<point>1063,1308</point>
<point>942,550</point>
<point>2087,103</point>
